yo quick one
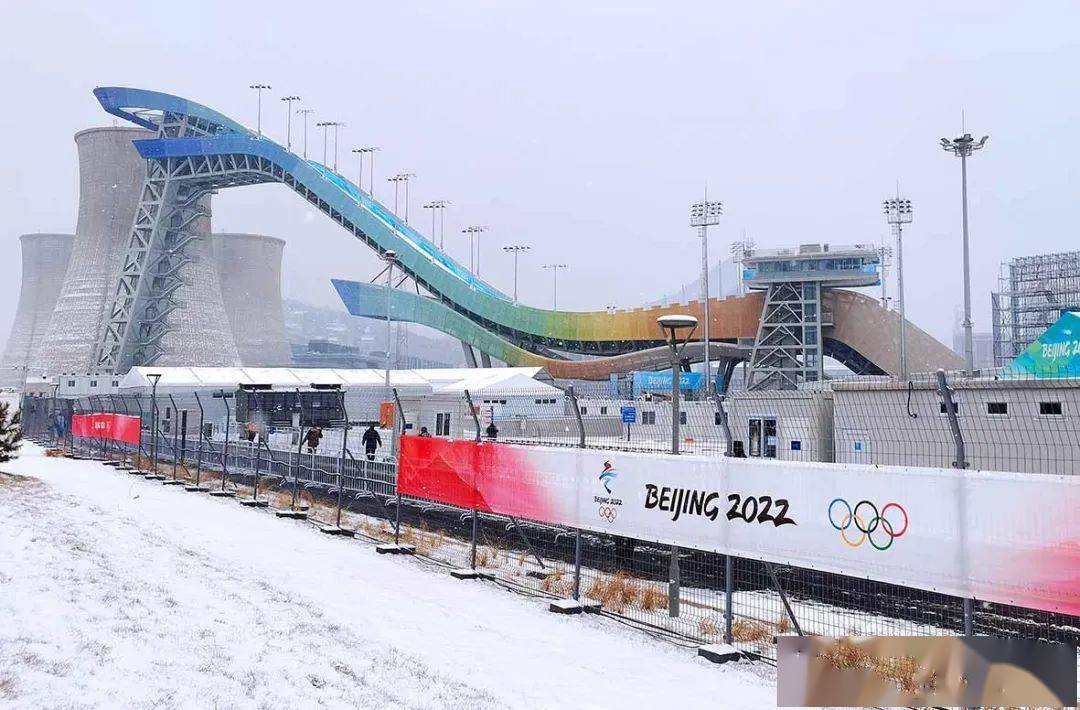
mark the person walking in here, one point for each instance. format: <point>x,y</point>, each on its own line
<point>424,433</point>
<point>492,430</point>
<point>372,441</point>
<point>314,435</point>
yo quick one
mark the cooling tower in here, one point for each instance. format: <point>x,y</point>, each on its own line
<point>111,176</point>
<point>249,268</point>
<point>44,263</point>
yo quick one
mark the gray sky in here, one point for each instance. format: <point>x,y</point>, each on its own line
<point>586,129</point>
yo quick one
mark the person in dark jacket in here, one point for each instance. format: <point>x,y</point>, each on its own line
<point>372,441</point>
<point>492,431</point>
<point>314,435</point>
<point>424,433</point>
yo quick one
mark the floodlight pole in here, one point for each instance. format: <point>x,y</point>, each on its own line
<point>305,112</point>
<point>288,120</point>
<point>516,249</point>
<point>440,207</point>
<point>898,212</point>
<point>555,283</point>
<point>390,257</point>
<point>672,324</point>
<point>474,246</point>
<point>702,215</point>
<point>154,377</point>
<point>258,119</point>
<point>962,147</point>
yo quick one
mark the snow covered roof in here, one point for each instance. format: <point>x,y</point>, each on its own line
<point>515,380</point>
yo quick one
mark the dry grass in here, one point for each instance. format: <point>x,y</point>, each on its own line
<point>11,480</point>
<point>783,624</point>
<point>901,671</point>
<point>748,631</point>
<point>558,583</point>
<point>653,598</point>
<point>55,453</point>
<point>616,592</point>
<point>708,628</point>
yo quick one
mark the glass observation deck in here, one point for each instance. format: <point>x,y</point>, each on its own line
<point>855,265</point>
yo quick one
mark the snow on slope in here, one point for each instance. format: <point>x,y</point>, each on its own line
<point>119,592</point>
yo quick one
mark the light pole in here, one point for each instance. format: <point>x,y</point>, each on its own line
<point>370,150</point>
<point>672,325</point>
<point>398,179</point>
<point>440,207</point>
<point>305,112</point>
<point>325,126</point>
<point>898,213</point>
<point>516,249</point>
<point>704,215</point>
<point>288,119</point>
<point>474,233</point>
<point>885,253</point>
<point>390,257</point>
<point>963,147</point>
<point>360,173</point>
<point>258,117</point>
<point>336,126</point>
<point>555,283</point>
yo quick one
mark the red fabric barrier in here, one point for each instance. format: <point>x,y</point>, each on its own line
<point>114,427</point>
<point>488,476</point>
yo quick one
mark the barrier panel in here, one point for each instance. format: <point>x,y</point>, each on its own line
<point>1002,537</point>
<point>114,427</point>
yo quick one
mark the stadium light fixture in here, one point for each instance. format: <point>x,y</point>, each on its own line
<point>258,116</point>
<point>703,215</point>
<point>516,249</point>
<point>288,119</point>
<point>673,326</point>
<point>554,268</point>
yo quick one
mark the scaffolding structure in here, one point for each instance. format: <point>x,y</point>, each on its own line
<point>1033,291</point>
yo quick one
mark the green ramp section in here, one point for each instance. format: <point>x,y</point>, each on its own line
<point>1056,353</point>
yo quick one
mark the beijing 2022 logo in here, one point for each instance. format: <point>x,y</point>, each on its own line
<point>608,475</point>
<point>608,508</point>
<point>871,524</point>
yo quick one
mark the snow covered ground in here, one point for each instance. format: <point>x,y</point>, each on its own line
<point>120,592</point>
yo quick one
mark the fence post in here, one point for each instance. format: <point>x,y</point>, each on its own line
<point>729,594</point>
<point>969,616</point>
<point>472,555</point>
<point>198,449</point>
<point>954,424</point>
<point>344,444</point>
<point>472,411</point>
<point>674,583</point>
<point>718,400</point>
<point>577,564</point>
<point>577,416</point>
<point>225,457</point>
<point>175,434</point>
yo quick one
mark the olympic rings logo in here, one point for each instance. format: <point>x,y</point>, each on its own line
<point>608,513</point>
<point>875,528</point>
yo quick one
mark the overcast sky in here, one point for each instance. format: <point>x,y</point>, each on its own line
<point>585,129</point>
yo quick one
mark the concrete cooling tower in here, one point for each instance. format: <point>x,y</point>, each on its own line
<point>44,262</point>
<point>249,269</point>
<point>111,176</point>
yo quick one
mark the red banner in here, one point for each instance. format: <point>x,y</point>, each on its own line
<point>489,477</point>
<point>114,427</point>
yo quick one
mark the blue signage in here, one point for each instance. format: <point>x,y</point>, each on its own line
<point>661,381</point>
<point>629,414</point>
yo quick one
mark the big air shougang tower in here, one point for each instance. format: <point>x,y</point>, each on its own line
<point>195,150</point>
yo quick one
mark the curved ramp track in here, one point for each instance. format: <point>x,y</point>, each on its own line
<point>218,153</point>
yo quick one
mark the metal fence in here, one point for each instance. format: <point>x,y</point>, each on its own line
<point>686,595</point>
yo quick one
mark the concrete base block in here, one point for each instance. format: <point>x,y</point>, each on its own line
<point>154,477</point>
<point>197,489</point>
<point>114,464</point>
<point>172,482</point>
<point>391,549</point>
<point>136,472</point>
<point>464,574</point>
<point>222,494</point>
<point>719,653</point>
<point>250,503</point>
<point>294,514</point>
<point>335,530</point>
<point>566,606</point>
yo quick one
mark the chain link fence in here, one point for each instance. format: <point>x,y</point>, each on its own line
<point>689,596</point>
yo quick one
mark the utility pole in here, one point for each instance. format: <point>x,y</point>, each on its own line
<point>288,119</point>
<point>898,213</point>
<point>703,215</point>
<point>516,249</point>
<point>258,117</point>
<point>962,147</point>
<point>555,283</point>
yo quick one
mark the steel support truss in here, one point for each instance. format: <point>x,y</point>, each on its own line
<point>788,347</point>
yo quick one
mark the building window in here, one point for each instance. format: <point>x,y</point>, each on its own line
<point>941,407</point>
<point>71,383</point>
<point>997,409</point>
<point>648,417</point>
<point>93,383</point>
<point>584,411</point>
<point>682,418</point>
<point>603,410</point>
<point>116,383</point>
<point>1050,409</point>
<point>717,419</point>
<point>442,424</point>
